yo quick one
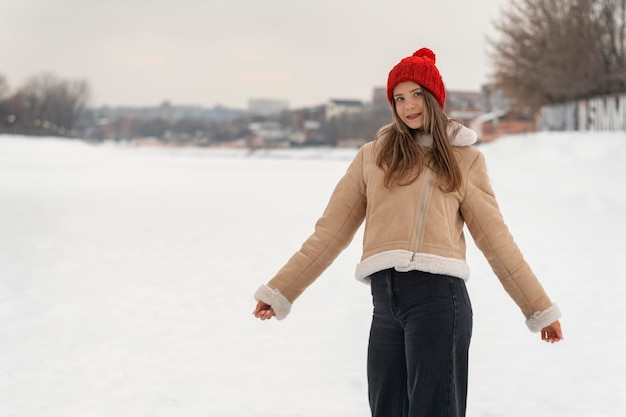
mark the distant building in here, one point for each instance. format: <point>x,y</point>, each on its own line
<point>491,126</point>
<point>267,107</point>
<point>299,117</point>
<point>498,118</point>
<point>493,98</point>
<point>379,97</point>
<point>463,105</point>
<point>270,134</point>
<point>305,125</point>
<point>336,108</point>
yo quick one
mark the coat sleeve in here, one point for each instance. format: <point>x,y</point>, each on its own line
<point>486,224</point>
<point>333,232</point>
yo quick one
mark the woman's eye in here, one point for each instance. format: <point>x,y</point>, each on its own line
<point>399,99</point>
<point>418,94</point>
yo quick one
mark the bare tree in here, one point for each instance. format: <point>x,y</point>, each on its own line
<point>613,42</point>
<point>53,103</point>
<point>5,114</point>
<point>4,88</point>
<point>552,51</point>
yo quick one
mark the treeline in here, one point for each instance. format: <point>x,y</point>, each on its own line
<point>45,104</point>
<point>554,51</point>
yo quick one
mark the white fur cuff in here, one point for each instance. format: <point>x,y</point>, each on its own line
<point>541,319</point>
<point>274,298</point>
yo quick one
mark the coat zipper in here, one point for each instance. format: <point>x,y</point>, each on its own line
<point>420,222</point>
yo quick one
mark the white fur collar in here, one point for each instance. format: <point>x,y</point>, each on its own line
<point>464,137</point>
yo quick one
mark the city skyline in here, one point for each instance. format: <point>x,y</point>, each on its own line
<point>225,53</point>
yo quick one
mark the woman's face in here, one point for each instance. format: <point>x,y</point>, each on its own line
<point>408,99</point>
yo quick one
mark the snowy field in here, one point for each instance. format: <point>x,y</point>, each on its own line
<point>126,282</point>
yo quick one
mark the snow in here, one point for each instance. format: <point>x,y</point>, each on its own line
<point>127,274</point>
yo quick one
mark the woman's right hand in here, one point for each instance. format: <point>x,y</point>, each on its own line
<point>263,311</point>
<point>552,333</point>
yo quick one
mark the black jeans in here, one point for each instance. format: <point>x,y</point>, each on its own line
<point>418,349</point>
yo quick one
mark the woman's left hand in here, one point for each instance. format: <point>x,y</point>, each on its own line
<point>263,311</point>
<point>552,333</point>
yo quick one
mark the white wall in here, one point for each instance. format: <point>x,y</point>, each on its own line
<point>606,113</point>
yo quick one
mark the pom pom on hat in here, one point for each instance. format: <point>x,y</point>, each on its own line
<point>427,53</point>
<point>420,68</point>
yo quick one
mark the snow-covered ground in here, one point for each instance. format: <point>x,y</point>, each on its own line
<point>127,274</point>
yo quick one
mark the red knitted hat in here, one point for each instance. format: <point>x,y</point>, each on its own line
<point>420,68</point>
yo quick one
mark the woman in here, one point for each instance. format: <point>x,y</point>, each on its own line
<point>416,186</point>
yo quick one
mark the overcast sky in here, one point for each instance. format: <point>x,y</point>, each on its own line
<point>208,52</point>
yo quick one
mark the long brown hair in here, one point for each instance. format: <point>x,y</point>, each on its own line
<point>402,157</point>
